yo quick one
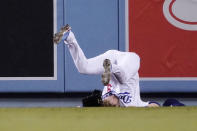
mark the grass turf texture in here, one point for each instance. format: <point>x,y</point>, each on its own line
<point>99,119</point>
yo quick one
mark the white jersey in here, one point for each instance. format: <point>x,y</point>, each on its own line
<point>124,79</point>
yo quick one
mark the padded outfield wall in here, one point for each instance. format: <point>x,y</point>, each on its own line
<point>162,33</point>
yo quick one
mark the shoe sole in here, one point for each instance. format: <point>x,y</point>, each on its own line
<point>107,72</point>
<point>58,36</point>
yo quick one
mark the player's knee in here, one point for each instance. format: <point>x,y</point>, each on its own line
<point>137,57</point>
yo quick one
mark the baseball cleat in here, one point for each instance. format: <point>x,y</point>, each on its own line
<point>107,73</point>
<point>63,34</point>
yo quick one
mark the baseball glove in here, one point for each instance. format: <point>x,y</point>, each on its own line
<point>94,100</point>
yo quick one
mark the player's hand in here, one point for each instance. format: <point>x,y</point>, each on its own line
<point>153,105</point>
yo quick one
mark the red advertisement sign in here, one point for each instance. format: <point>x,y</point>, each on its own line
<point>164,34</point>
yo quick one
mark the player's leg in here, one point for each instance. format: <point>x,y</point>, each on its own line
<point>129,63</point>
<point>125,67</point>
<point>84,65</point>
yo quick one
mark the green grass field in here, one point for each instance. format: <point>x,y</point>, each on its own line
<point>99,119</point>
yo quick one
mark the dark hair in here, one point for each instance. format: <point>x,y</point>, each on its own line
<point>93,100</point>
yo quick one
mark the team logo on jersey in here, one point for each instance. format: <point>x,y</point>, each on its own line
<point>181,13</point>
<point>125,97</point>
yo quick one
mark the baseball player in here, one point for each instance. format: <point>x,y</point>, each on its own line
<point>119,71</point>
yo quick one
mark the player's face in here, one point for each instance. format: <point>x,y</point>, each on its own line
<point>111,101</point>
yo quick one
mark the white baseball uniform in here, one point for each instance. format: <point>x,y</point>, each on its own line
<point>124,81</point>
